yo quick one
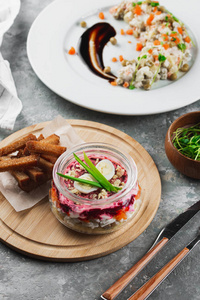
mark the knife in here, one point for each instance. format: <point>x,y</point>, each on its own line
<point>164,236</point>
<point>147,289</point>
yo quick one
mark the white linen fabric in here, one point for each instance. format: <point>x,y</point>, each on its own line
<point>10,104</point>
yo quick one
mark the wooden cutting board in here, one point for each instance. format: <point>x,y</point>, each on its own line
<point>37,233</point>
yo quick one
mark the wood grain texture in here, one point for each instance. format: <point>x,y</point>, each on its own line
<point>148,287</point>
<point>120,284</point>
<point>37,233</point>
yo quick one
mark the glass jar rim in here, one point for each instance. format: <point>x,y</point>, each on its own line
<point>131,180</point>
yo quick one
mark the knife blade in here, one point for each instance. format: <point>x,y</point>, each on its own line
<point>163,237</point>
<point>147,289</point>
<point>175,225</point>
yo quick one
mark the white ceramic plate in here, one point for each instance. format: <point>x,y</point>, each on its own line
<point>57,28</point>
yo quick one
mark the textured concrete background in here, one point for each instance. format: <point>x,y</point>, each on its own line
<point>24,278</point>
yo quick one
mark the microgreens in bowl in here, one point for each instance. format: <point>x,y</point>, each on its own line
<point>187,141</point>
<point>102,182</point>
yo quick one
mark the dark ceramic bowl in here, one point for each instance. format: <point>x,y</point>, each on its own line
<point>183,164</point>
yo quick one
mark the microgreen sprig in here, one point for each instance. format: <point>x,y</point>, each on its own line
<point>161,59</point>
<point>132,87</point>
<point>138,3</point>
<point>154,4</point>
<point>175,19</point>
<point>181,46</point>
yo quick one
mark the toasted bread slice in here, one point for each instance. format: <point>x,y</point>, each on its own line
<point>46,166</point>
<point>24,181</point>
<point>19,144</point>
<point>36,174</point>
<point>52,139</point>
<point>40,137</point>
<point>45,148</point>
<point>21,177</point>
<point>49,158</point>
<point>11,164</point>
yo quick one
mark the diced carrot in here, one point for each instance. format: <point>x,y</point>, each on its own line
<point>156,57</point>
<point>129,31</point>
<point>101,15</point>
<point>121,58</point>
<point>139,193</point>
<point>71,51</point>
<point>156,42</point>
<point>150,19</point>
<point>85,221</point>
<point>139,47</point>
<point>137,10</point>
<point>180,30</point>
<point>126,84</point>
<point>114,59</point>
<point>53,195</point>
<point>165,37</point>
<point>166,46</point>
<point>113,9</point>
<point>114,83</point>
<point>155,9</point>
<point>175,39</point>
<point>158,12</point>
<point>187,39</point>
<point>174,34</point>
<point>168,15</point>
<point>121,215</point>
<point>150,51</point>
<point>122,32</point>
<point>129,42</point>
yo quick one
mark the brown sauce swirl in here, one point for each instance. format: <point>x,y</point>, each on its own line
<point>91,47</point>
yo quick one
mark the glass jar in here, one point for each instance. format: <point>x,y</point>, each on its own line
<point>92,214</point>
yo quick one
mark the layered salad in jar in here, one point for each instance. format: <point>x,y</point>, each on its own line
<point>95,189</point>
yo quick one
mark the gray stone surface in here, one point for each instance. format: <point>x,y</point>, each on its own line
<point>24,278</point>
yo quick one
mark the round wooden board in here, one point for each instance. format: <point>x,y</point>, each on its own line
<point>37,233</point>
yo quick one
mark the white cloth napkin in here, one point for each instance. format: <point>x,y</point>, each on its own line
<point>10,105</point>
